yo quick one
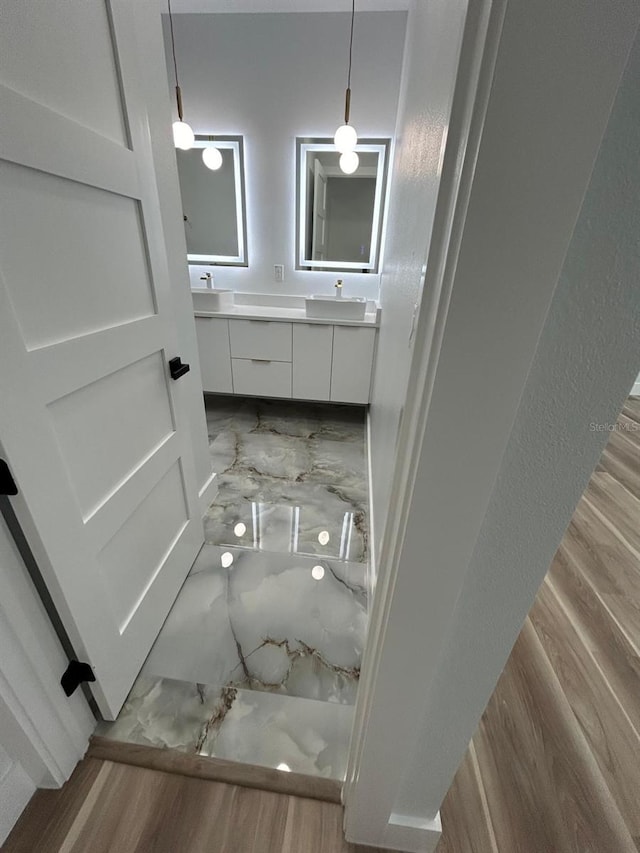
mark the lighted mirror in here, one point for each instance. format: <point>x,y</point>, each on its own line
<point>213,202</point>
<point>339,215</point>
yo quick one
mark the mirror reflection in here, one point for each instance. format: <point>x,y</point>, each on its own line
<point>213,201</point>
<point>339,214</point>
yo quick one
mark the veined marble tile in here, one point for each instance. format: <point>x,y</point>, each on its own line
<point>282,732</point>
<point>274,622</point>
<point>307,518</point>
<point>164,712</point>
<point>259,658</point>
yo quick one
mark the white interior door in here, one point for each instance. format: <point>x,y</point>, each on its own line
<point>90,420</point>
<point>319,237</point>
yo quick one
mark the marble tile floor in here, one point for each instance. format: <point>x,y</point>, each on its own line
<point>259,658</point>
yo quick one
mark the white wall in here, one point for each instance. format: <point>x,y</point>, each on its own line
<point>586,359</point>
<point>271,78</point>
<point>434,33</point>
<point>495,469</point>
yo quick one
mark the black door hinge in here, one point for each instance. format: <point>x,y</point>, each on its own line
<point>7,483</point>
<point>74,675</point>
<point>177,368</point>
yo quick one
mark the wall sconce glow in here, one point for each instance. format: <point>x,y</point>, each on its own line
<point>323,537</point>
<point>240,529</point>
<point>346,138</point>
<point>283,766</point>
<point>183,136</point>
<point>212,158</point>
<point>349,162</point>
<point>317,573</point>
<point>226,559</point>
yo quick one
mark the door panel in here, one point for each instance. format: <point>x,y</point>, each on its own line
<point>121,418</point>
<point>91,422</point>
<point>75,76</point>
<point>67,221</point>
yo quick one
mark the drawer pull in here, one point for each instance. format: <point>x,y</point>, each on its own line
<point>261,360</point>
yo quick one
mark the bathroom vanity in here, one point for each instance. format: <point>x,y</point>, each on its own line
<point>258,348</point>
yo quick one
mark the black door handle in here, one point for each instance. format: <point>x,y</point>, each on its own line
<point>177,368</point>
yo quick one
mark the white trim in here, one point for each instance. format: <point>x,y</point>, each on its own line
<point>39,726</point>
<point>16,789</point>
<point>208,493</point>
<point>372,568</point>
<point>481,41</point>
<point>635,391</point>
<point>405,833</point>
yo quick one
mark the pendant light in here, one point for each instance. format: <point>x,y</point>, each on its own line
<point>346,137</point>
<point>183,136</point>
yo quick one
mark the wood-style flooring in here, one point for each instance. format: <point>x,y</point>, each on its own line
<point>554,766</point>
<point>118,808</point>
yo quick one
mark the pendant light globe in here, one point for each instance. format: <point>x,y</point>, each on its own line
<point>345,138</point>
<point>183,136</point>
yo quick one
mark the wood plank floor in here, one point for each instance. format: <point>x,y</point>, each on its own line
<point>553,768</point>
<point>555,764</point>
<point>118,808</point>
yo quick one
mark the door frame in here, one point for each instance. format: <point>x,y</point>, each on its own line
<point>393,792</point>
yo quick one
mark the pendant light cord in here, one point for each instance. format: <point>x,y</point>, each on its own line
<point>173,43</point>
<point>353,12</point>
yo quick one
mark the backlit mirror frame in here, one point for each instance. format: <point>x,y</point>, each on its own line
<point>236,145</point>
<point>304,145</point>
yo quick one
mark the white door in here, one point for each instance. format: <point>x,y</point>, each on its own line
<point>319,236</point>
<point>90,421</point>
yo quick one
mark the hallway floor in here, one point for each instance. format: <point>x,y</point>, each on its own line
<point>555,763</point>
<point>258,660</point>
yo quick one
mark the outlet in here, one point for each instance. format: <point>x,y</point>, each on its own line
<point>278,272</point>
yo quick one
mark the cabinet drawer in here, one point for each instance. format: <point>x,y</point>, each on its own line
<point>261,378</point>
<point>260,339</point>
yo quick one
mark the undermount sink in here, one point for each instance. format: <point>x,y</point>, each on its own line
<point>336,308</point>
<point>206,299</point>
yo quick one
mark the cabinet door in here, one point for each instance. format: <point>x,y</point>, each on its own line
<point>352,362</point>
<point>215,358</point>
<point>312,346</point>
<point>263,339</point>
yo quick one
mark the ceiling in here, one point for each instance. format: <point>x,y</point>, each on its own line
<point>287,5</point>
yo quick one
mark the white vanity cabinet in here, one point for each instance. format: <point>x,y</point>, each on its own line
<point>275,358</point>
<point>353,348</point>
<point>215,358</point>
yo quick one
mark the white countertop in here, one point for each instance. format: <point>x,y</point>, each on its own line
<point>286,315</point>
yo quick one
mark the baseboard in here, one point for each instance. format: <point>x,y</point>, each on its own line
<point>635,391</point>
<point>406,834</point>
<point>216,769</point>
<point>372,571</point>
<point>208,493</point>
<point>16,789</point>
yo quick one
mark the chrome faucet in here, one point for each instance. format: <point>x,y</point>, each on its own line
<point>209,279</point>
<point>338,287</point>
